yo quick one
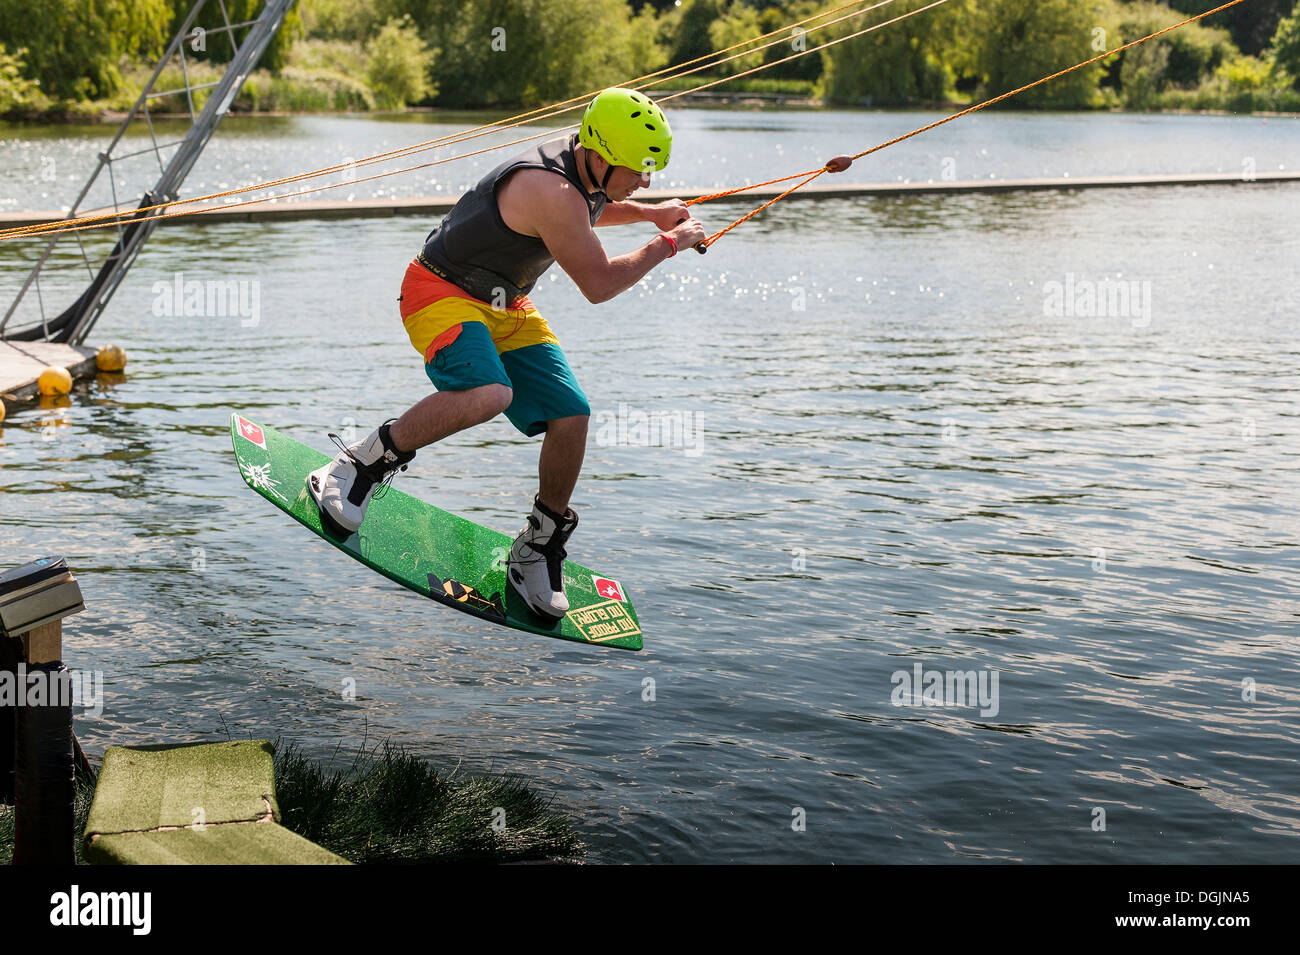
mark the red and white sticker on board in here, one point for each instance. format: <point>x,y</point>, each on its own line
<point>250,432</point>
<point>610,589</point>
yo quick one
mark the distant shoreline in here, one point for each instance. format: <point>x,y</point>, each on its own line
<point>739,102</point>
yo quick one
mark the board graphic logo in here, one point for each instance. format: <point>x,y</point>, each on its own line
<point>611,589</point>
<point>603,622</point>
<point>259,478</point>
<point>250,432</point>
<point>467,595</point>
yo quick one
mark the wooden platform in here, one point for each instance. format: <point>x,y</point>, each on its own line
<point>825,188</point>
<point>21,363</point>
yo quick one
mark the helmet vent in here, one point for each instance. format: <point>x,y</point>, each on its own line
<point>636,114</point>
<point>649,127</point>
<point>655,149</point>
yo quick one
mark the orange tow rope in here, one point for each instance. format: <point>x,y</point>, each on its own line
<point>840,163</point>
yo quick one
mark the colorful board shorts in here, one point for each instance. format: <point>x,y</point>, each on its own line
<point>467,343</point>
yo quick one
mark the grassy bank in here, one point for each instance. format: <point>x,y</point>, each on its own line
<point>389,807</point>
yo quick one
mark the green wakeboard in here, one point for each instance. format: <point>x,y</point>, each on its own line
<point>435,553</point>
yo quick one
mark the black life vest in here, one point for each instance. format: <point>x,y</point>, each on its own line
<point>474,248</point>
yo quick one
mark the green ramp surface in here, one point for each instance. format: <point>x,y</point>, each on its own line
<point>197,804</point>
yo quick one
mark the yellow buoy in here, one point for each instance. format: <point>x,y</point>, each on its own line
<point>2,411</point>
<point>54,381</point>
<point>110,358</point>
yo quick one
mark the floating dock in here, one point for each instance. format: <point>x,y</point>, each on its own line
<point>21,364</point>
<point>429,206</point>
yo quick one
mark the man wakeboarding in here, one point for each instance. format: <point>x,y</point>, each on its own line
<point>488,350</point>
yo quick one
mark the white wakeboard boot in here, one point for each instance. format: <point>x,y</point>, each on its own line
<point>536,565</point>
<point>343,488</point>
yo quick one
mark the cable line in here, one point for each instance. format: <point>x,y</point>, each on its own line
<point>840,163</point>
<point>541,113</point>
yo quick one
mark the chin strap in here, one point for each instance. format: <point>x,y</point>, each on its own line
<point>609,171</point>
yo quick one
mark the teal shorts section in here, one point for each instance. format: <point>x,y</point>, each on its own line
<point>468,362</point>
<point>544,385</point>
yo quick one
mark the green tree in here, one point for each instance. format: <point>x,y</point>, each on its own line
<point>74,47</point>
<point>1183,58</point>
<point>16,91</point>
<point>737,24</point>
<point>352,21</point>
<point>692,42</point>
<point>1286,49</point>
<point>1251,24</point>
<point>647,41</point>
<point>1143,74</point>
<point>398,65</point>
<point>911,61</point>
<point>220,47</point>
<point>530,52</point>
<point>1020,41</point>
<point>803,67</point>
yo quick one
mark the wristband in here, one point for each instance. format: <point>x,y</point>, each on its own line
<point>672,243</point>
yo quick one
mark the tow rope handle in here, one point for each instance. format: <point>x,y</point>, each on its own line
<point>702,246</point>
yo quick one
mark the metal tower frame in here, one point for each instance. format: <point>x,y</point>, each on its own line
<point>73,324</point>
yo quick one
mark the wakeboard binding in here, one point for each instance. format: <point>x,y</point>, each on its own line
<point>343,488</point>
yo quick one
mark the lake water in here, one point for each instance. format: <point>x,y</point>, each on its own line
<point>907,456</point>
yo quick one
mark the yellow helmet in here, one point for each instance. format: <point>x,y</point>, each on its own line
<point>627,129</point>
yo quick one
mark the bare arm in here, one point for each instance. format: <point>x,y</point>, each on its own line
<point>535,202</point>
<point>622,213</point>
<point>568,235</point>
<point>664,215</point>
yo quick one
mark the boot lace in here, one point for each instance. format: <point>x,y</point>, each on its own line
<point>383,479</point>
<point>553,553</point>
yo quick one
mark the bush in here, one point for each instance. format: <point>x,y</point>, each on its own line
<point>760,84</point>
<point>1244,84</point>
<point>301,90</point>
<point>18,95</point>
<point>1182,59</point>
<point>329,56</point>
<point>171,78</point>
<point>398,67</point>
